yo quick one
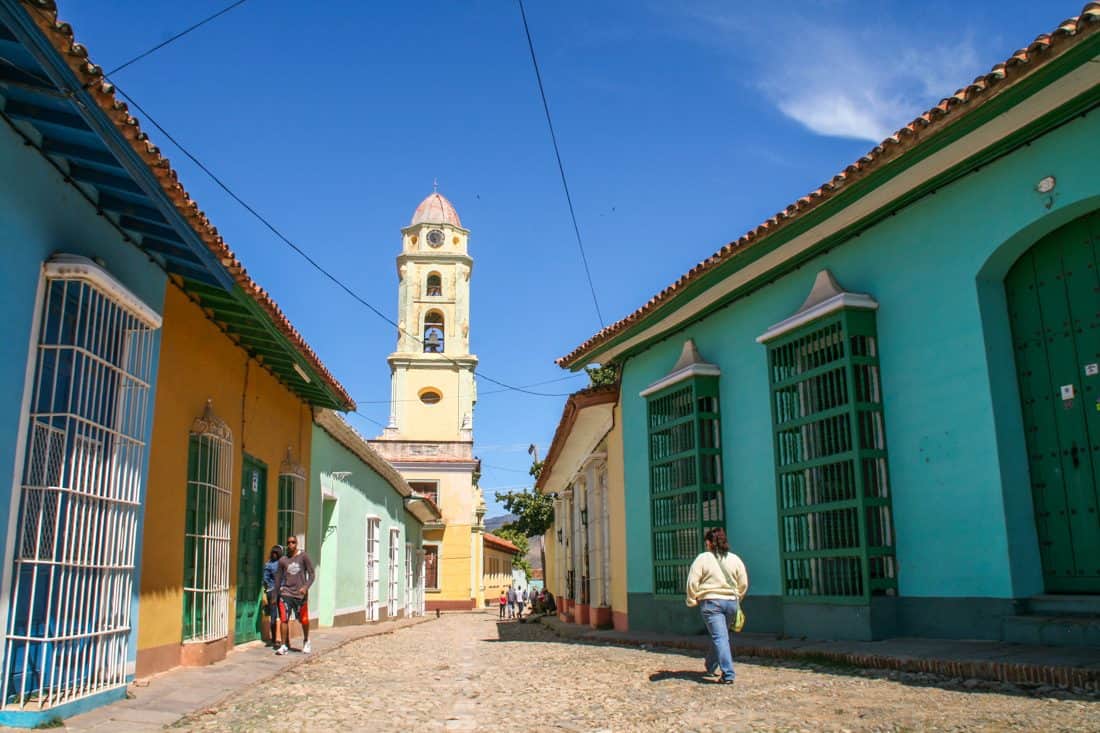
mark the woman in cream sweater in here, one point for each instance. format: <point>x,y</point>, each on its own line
<point>717,581</point>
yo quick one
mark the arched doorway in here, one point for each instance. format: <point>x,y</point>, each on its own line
<point>1053,294</point>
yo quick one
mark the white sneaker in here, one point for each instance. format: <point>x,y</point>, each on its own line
<point>306,648</point>
<point>282,650</point>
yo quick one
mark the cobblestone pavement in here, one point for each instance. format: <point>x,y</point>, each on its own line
<point>468,672</point>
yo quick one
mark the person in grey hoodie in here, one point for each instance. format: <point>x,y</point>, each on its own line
<point>292,583</point>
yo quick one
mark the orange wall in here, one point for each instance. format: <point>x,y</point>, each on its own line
<point>199,362</point>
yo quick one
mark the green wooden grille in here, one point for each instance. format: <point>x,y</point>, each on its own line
<point>836,531</point>
<point>685,477</point>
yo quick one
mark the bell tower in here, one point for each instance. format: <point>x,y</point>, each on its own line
<point>429,438</point>
<point>432,384</point>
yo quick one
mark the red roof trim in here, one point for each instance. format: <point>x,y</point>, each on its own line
<point>500,543</point>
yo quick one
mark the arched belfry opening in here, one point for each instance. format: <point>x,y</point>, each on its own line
<point>434,286</point>
<point>434,332</point>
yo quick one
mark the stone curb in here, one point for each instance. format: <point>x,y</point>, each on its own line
<point>1070,678</point>
<point>375,631</point>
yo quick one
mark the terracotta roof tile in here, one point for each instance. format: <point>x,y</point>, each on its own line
<point>500,543</point>
<point>593,395</point>
<point>946,111</point>
<point>60,35</point>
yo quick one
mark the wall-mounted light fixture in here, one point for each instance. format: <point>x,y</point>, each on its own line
<point>1046,184</point>
<point>584,517</point>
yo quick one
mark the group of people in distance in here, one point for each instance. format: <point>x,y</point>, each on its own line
<point>288,576</point>
<point>513,601</point>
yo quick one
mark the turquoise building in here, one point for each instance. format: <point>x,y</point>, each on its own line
<point>888,393</point>
<point>366,530</point>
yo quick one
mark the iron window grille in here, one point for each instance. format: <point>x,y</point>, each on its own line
<point>373,567</point>
<point>685,476</point>
<point>291,511</point>
<point>207,535</point>
<point>832,478</point>
<point>410,586</point>
<point>68,618</point>
<point>394,570</point>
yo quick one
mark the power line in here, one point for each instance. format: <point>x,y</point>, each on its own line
<point>176,37</point>
<point>316,265</point>
<point>502,468</point>
<point>561,168</point>
<point>481,394</point>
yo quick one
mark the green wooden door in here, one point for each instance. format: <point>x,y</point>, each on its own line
<point>250,551</point>
<point>1054,304</point>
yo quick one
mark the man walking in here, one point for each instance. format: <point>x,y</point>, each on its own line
<point>511,601</point>
<point>292,581</point>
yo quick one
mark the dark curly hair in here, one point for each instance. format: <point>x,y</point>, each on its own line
<point>717,538</point>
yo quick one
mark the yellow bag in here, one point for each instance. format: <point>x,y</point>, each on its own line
<point>739,622</point>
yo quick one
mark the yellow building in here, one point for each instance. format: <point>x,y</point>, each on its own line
<point>499,554</point>
<point>585,548</point>
<point>430,437</point>
<point>228,467</point>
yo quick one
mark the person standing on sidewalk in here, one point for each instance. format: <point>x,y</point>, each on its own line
<point>295,576</point>
<point>511,601</point>
<point>271,569</point>
<point>717,582</point>
<point>503,603</point>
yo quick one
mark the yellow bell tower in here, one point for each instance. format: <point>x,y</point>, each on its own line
<point>430,434</point>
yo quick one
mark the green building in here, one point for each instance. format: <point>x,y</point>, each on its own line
<point>366,530</point>
<point>888,393</point>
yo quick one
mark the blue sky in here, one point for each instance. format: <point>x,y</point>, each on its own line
<point>682,125</point>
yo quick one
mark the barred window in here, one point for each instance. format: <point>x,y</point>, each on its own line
<point>431,566</point>
<point>69,602</point>
<point>685,476</point>
<point>206,539</point>
<point>832,479</point>
<point>291,510</point>
<point>394,570</point>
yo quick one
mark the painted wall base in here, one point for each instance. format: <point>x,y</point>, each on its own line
<point>620,620</point>
<point>468,605</point>
<point>201,654</point>
<point>942,618</point>
<point>43,718</point>
<point>600,617</point>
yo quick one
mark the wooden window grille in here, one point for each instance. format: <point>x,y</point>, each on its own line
<point>832,478</point>
<point>373,568</point>
<point>207,536</point>
<point>431,567</point>
<point>394,570</point>
<point>68,618</point>
<point>291,509</point>
<point>685,476</point>
<point>410,584</point>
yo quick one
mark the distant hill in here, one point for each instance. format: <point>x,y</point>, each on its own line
<point>495,523</point>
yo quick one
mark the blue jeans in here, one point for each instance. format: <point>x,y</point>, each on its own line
<point>718,613</point>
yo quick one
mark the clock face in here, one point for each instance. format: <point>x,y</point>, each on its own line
<point>435,238</point>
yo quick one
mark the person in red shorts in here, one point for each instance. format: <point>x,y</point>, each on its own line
<point>292,582</point>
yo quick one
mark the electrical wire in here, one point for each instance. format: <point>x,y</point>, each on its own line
<point>176,37</point>
<point>561,167</point>
<point>502,468</point>
<point>316,265</point>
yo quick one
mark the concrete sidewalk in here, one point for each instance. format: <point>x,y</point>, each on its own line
<point>1073,668</point>
<point>165,698</point>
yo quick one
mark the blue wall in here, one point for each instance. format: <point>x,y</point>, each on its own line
<point>41,215</point>
<point>961,496</point>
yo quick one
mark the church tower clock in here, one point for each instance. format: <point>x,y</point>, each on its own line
<point>430,434</point>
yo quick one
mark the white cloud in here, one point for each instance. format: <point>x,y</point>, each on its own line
<point>840,80</point>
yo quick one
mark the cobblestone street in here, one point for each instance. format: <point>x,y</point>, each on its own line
<point>469,672</point>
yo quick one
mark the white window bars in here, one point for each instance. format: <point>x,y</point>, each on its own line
<point>394,570</point>
<point>410,588</point>
<point>68,621</point>
<point>207,536</point>
<point>373,567</point>
<point>291,519</point>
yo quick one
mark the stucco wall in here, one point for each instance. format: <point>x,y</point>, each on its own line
<point>616,511</point>
<point>198,363</point>
<point>41,215</point>
<point>961,500</point>
<point>338,529</point>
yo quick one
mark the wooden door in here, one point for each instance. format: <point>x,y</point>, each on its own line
<point>250,551</point>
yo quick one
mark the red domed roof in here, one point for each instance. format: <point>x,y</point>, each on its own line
<point>435,209</point>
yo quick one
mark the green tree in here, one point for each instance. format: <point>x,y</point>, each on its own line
<point>534,512</point>
<point>601,376</point>
<point>518,539</point>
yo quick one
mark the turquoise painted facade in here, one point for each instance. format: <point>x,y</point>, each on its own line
<point>345,493</point>
<point>966,543</point>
